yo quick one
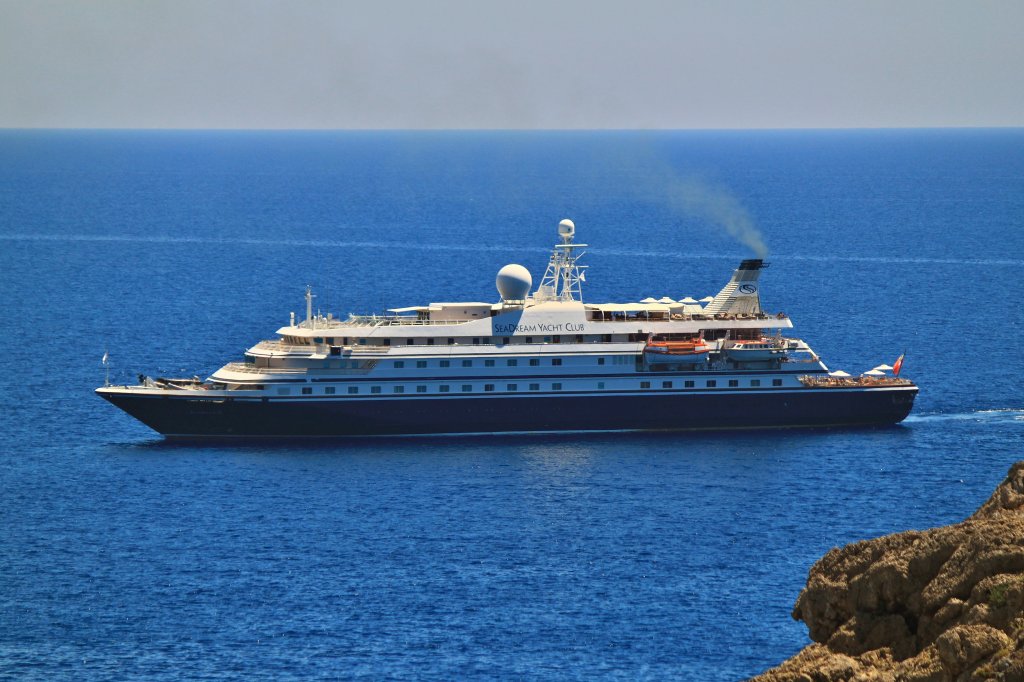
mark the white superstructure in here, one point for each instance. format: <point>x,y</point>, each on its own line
<point>438,347</point>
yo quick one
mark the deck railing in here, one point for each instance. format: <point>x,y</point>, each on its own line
<point>852,382</point>
<point>592,316</point>
<point>246,368</point>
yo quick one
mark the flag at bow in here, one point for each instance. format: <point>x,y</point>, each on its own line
<point>898,365</point>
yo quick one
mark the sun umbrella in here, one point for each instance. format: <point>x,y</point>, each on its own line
<point>884,368</point>
<point>666,300</point>
<point>838,373</point>
<point>649,300</point>
<point>688,299</point>
<point>874,373</point>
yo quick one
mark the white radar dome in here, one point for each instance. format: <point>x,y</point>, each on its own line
<point>566,228</point>
<point>514,282</point>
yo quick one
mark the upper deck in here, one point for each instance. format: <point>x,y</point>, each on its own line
<point>554,309</point>
<point>539,319</point>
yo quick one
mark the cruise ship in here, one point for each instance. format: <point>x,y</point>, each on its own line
<point>538,360</point>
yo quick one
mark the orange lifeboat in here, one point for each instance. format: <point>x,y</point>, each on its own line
<point>676,352</point>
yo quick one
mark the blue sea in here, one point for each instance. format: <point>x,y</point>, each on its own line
<point>617,556</point>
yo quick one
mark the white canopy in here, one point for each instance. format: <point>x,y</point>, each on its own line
<point>688,299</point>
<point>650,300</point>
<point>884,368</point>
<point>874,373</point>
<point>629,307</point>
<point>707,299</point>
<point>411,309</point>
<point>838,373</point>
<point>666,300</point>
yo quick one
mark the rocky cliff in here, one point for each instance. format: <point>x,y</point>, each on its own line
<point>936,605</point>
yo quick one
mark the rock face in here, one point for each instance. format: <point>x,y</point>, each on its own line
<point>945,604</point>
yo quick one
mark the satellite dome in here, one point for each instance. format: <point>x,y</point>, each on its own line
<point>566,228</point>
<point>513,282</point>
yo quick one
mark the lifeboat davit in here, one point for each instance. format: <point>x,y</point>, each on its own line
<point>676,352</point>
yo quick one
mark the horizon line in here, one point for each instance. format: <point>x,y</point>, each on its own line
<point>515,130</point>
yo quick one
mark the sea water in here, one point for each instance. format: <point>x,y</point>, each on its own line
<point>658,556</point>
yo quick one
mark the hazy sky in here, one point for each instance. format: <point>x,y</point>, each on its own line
<point>510,64</point>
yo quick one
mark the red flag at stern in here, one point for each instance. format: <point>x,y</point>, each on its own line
<point>898,365</point>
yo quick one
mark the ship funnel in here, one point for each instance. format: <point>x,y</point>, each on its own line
<point>741,296</point>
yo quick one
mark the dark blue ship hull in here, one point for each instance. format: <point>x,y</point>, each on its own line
<point>197,416</point>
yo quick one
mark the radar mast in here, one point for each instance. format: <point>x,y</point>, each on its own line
<point>563,279</point>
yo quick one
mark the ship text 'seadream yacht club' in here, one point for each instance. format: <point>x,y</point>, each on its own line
<point>540,361</point>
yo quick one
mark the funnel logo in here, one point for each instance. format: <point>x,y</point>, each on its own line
<point>748,289</point>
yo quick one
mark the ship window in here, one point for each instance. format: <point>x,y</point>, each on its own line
<point>556,339</point>
<point>398,389</point>
<point>600,361</point>
<point>556,362</point>
<point>421,363</point>
<point>512,363</point>
<point>329,390</point>
<point>733,383</point>
<point>534,362</point>
<point>307,390</point>
<point>511,387</point>
<point>755,382</point>
<point>408,342</point>
<point>443,388</point>
<point>600,384</point>
<point>399,364</point>
<point>318,339</point>
<point>645,384</point>
<point>330,340</point>
<point>666,384</point>
<point>476,341</point>
<point>776,382</point>
<point>451,341</point>
<point>556,387</point>
<point>488,387</point>
<point>711,383</point>
<point>688,384</point>
<point>430,342</point>
<point>387,342</point>
<point>446,363</point>
<point>466,388</point>
<point>353,390</point>
<point>579,338</point>
<point>534,387</point>
<point>374,389</point>
<point>467,363</point>
<point>529,339</point>
<point>505,340</point>
<point>421,389</point>
<point>607,338</point>
<point>284,391</point>
<point>488,363</point>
